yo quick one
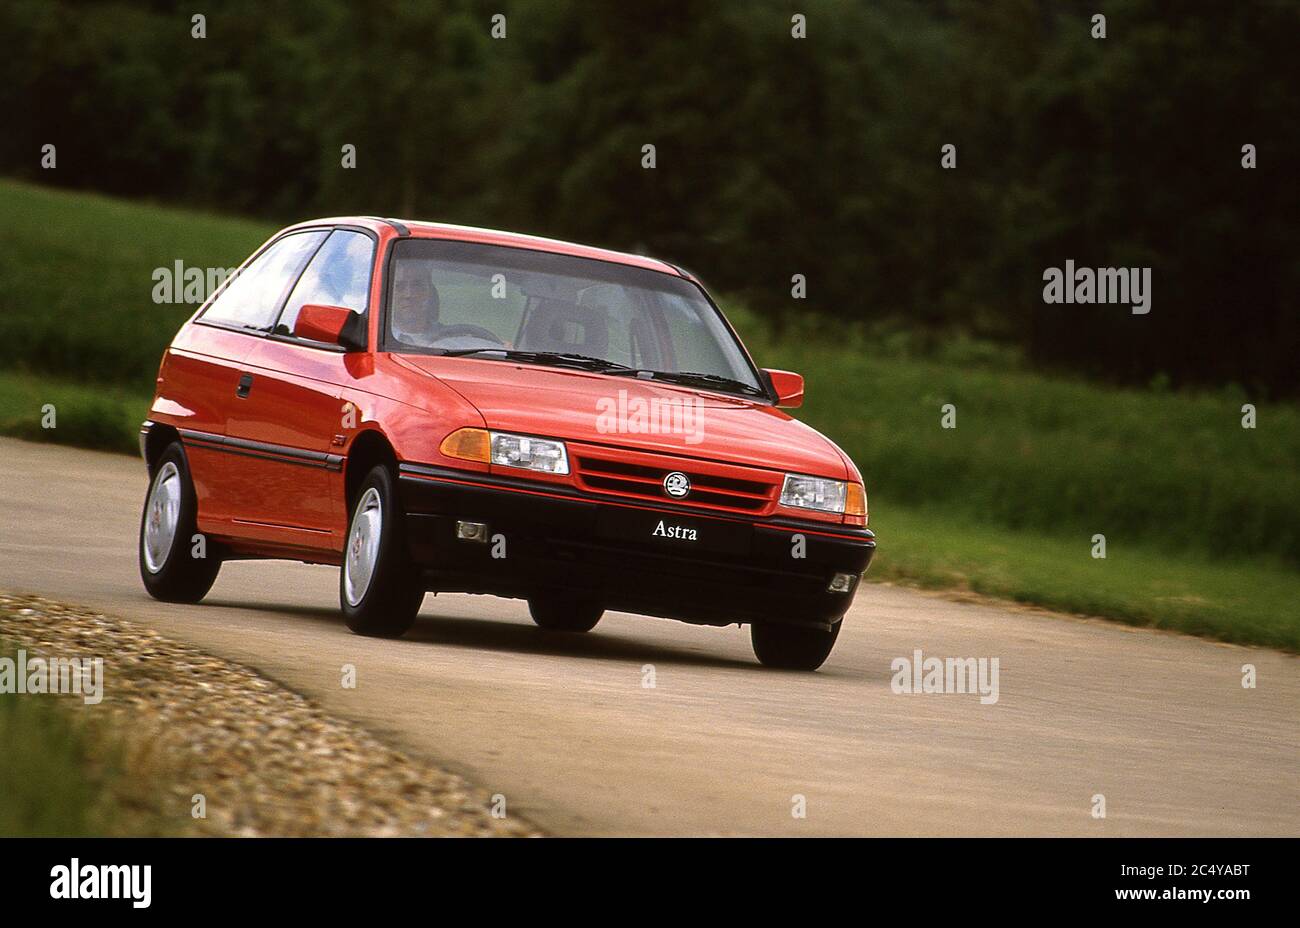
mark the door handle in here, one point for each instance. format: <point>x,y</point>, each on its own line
<point>245,386</point>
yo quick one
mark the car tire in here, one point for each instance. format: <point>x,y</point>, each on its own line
<point>168,567</point>
<point>379,587</point>
<point>792,647</point>
<point>565,614</point>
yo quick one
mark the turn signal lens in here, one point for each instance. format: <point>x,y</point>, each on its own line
<point>467,445</point>
<point>507,450</point>
<point>855,502</point>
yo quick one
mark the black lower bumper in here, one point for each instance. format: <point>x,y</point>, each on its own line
<point>644,559</point>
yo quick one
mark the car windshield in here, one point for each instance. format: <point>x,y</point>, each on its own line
<point>516,304</point>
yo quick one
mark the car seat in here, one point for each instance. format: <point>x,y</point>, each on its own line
<point>557,326</point>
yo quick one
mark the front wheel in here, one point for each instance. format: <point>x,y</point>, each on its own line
<point>175,565</point>
<point>793,647</point>
<point>379,588</point>
<point>564,614</point>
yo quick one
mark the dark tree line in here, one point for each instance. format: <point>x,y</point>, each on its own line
<point>775,156</point>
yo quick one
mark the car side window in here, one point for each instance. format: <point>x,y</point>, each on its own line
<point>339,275</point>
<point>251,299</point>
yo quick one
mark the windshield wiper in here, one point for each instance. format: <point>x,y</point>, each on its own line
<point>557,358</point>
<point>604,366</point>
<point>695,379</point>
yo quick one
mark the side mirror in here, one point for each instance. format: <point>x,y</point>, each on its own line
<point>324,324</point>
<point>788,386</point>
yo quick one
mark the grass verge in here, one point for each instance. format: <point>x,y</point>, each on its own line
<point>77,271</point>
<point>66,776</point>
<point>1232,600</point>
<point>103,418</point>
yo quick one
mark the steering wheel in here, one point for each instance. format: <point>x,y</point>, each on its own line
<point>468,331</point>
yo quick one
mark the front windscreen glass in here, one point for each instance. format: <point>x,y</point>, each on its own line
<point>520,305</point>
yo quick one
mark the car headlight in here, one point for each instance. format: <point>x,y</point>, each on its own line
<point>541,454</point>
<point>823,495</point>
<point>508,450</point>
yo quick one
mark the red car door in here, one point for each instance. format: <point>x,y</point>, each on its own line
<point>291,423</point>
<point>205,364</point>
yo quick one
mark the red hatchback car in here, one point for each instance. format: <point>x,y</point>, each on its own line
<point>441,408</point>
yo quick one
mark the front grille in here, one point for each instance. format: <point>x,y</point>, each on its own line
<point>647,481</point>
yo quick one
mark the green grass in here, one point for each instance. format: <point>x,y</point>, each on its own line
<point>1201,516</point>
<point>1236,600</point>
<point>100,417</point>
<point>46,785</point>
<point>77,274</point>
<point>65,776</point>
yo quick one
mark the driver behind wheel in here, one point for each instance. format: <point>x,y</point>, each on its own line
<point>416,308</point>
<point>416,305</point>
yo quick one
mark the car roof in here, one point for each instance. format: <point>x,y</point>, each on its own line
<point>416,228</point>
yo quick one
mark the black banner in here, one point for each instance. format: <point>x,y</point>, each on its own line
<point>982,877</point>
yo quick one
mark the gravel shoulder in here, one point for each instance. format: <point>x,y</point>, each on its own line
<point>266,760</point>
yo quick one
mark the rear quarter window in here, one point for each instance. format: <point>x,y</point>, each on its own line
<point>253,297</point>
<point>339,275</point>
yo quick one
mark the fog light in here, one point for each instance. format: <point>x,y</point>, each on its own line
<point>841,583</point>
<point>472,531</point>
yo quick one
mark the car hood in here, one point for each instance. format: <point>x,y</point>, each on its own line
<point>586,407</point>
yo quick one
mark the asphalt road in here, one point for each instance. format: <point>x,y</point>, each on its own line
<point>565,728</point>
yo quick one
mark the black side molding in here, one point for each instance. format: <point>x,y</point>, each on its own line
<point>281,454</point>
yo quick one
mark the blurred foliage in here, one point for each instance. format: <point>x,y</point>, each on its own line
<point>106,419</point>
<point>76,280</point>
<point>776,156</point>
<point>69,774</point>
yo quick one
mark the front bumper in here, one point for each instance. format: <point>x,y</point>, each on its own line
<point>630,557</point>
